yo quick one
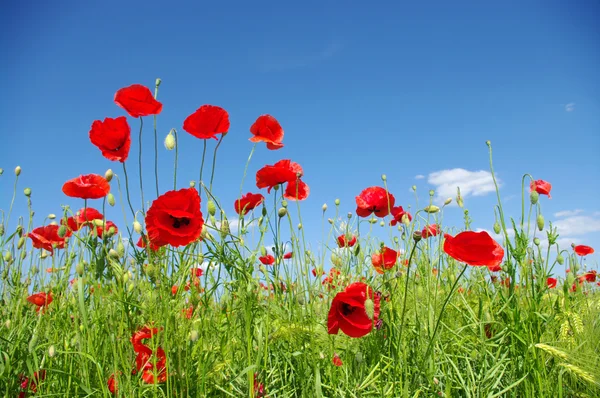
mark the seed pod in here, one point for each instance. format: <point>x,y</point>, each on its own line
<point>282,212</point>
<point>27,192</point>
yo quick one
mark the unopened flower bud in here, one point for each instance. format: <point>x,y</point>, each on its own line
<point>44,254</point>
<point>51,216</point>
<point>263,251</point>
<point>62,231</point>
<point>448,201</point>
<point>120,248</point>
<point>27,192</point>
<point>51,351</point>
<point>192,184</point>
<point>534,197</point>
<point>108,175</point>
<point>431,192</point>
<point>79,269</point>
<point>194,335</point>
<point>370,308</point>
<point>383,177</point>
<point>536,241</point>
<point>113,253</point>
<point>170,141</point>
<point>431,209</point>
<point>18,171</point>
<point>488,143</point>
<point>225,227</point>
<point>21,242</point>
<point>7,323</point>
<point>417,235</point>
<point>560,259</point>
<point>7,257</point>
<point>324,207</point>
<point>137,227</point>
<point>497,228</point>
<point>337,202</point>
<point>110,198</point>
<point>212,208</point>
<point>158,82</point>
<point>282,212</point>
<point>540,222</point>
<point>414,188</point>
<point>381,223</point>
<point>1,171</point>
<point>1,229</point>
<point>300,226</point>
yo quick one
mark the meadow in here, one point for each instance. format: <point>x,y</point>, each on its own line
<point>181,299</point>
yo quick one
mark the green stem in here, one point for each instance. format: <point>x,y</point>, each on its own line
<point>212,174</point>
<point>202,169</point>
<point>246,170</point>
<point>140,163</point>
<point>412,252</point>
<point>127,190</point>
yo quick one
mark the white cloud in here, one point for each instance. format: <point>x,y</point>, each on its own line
<point>570,107</point>
<point>568,213</point>
<point>471,183</point>
<point>419,177</point>
<point>577,225</point>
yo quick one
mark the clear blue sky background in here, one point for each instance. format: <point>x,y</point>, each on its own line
<point>401,88</point>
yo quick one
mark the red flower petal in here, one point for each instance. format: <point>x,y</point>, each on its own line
<point>474,248</point>
<point>90,186</point>
<point>583,250</point>
<point>267,129</point>
<point>207,122</point>
<point>248,202</point>
<point>542,187</point>
<point>112,137</point>
<point>138,101</point>
<point>374,200</point>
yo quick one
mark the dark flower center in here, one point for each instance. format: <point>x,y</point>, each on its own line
<point>347,309</point>
<point>179,221</point>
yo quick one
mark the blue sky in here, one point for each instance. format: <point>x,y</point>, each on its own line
<point>403,89</point>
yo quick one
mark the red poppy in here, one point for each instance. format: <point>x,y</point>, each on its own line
<point>142,244</point>
<point>551,282</point>
<point>31,384</point>
<point>207,122</point>
<point>296,190</point>
<point>542,187</point>
<point>47,238</point>
<point>107,226</point>
<point>331,279</point>
<point>583,250</point>
<point>337,361</point>
<point>267,260</point>
<point>248,202</point>
<point>144,360</point>
<point>430,230</point>
<point>398,213</point>
<point>267,129</point>
<point>343,241</point>
<point>175,218</point>
<point>280,173</point>
<point>495,268</point>
<point>316,272</point>
<point>349,308</point>
<point>384,259</point>
<point>137,100</point>
<point>288,255</point>
<point>588,277</point>
<point>174,289</point>
<point>90,186</point>
<point>86,215</point>
<point>112,384</point>
<point>112,137</point>
<point>374,200</point>
<point>474,248</point>
<point>41,300</point>
<point>197,272</point>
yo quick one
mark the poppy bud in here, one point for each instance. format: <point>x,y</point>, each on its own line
<point>27,192</point>
<point>330,220</point>
<point>23,255</point>
<point>43,255</point>
<point>20,230</point>
<point>18,171</point>
<point>496,227</point>
<point>264,211</point>
<point>414,188</point>
<point>534,197</point>
<point>113,253</point>
<point>282,212</point>
<point>263,251</point>
<point>560,259</point>
<point>417,235</point>
<point>431,193</point>
<point>7,257</point>
<point>1,229</point>
<point>382,223</point>
<point>212,208</point>
<point>540,222</point>
<point>194,335</point>
<point>79,269</point>
<point>337,202</point>
<point>372,220</point>
<point>21,242</point>
<point>448,201</point>
<point>108,175</point>
<point>192,184</point>
<point>370,308</point>
<point>51,216</point>
<point>7,323</point>
<point>125,277</point>
<point>51,351</point>
<point>158,82</point>
<point>120,248</point>
<point>170,141</point>
<point>110,198</point>
<point>324,207</point>
<point>383,177</point>
<point>300,226</point>
<point>460,202</point>
<point>137,227</point>
<point>488,143</point>
<point>1,171</point>
<point>62,231</point>
<point>276,187</point>
<point>536,241</point>
<point>225,227</point>
<point>431,209</point>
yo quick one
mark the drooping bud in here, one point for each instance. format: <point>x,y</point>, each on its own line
<point>560,259</point>
<point>108,175</point>
<point>536,241</point>
<point>62,231</point>
<point>137,227</point>
<point>21,242</point>
<point>212,208</point>
<point>370,308</point>
<point>534,197</point>
<point>225,227</point>
<point>324,207</point>
<point>540,222</point>
<point>497,228</point>
<point>27,192</point>
<point>120,248</point>
<point>431,209</point>
<point>263,251</point>
<point>18,171</point>
<point>170,141</point>
<point>51,216</point>
<point>110,198</point>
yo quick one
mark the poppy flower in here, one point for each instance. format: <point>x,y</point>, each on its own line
<point>583,250</point>
<point>267,129</point>
<point>90,186</point>
<point>542,187</point>
<point>316,272</point>
<point>41,300</point>
<point>281,172</point>
<point>398,213</point>
<point>331,279</point>
<point>343,241</point>
<point>197,272</point>
<point>87,215</point>
<point>588,277</point>
<point>140,243</point>
<point>112,137</point>
<point>474,248</point>
<point>112,384</point>
<point>296,190</point>
<point>248,202</point>
<point>354,311</point>
<point>495,268</point>
<point>107,226</point>
<point>47,238</point>
<point>32,384</point>
<point>137,100</point>
<point>207,122</point>
<point>374,200</point>
<point>144,360</point>
<point>288,255</point>
<point>551,282</point>
<point>174,218</point>
<point>430,230</point>
<point>337,361</point>
<point>267,260</point>
<point>384,259</point>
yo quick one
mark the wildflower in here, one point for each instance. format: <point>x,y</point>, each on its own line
<point>143,358</point>
<point>207,121</point>
<point>281,172</point>
<point>267,260</point>
<point>398,213</point>
<point>474,248</point>
<point>47,238</point>
<point>112,384</point>
<point>41,300</point>
<point>142,244</point>
<point>348,311</point>
<point>386,258</point>
<point>90,186</point>
<point>343,241</point>
<point>248,202</point>
<point>112,137</point>
<point>583,250</point>
<point>495,268</point>
<point>109,227</point>
<point>541,187</point>
<point>296,190</point>
<point>374,200</point>
<point>430,230</point>
<point>288,255</point>
<point>267,129</point>
<point>337,361</point>
<point>137,100</point>
<point>551,282</point>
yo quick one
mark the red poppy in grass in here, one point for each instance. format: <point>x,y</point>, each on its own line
<point>542,187</point>
<point>112,384</point>
<point>137,100</point>
<point>112,137</point>
<point>248,202</point>
<point>86,215</point>
<point>374,200</point>
<point>430,230</point>
<point>316,272</point>
<point>495,268</point>
<point>197,272</point>
<point>354,311</point>
<point>296,190</point>
<point>474,248</point>
<point>331,279</point>
<point>588,277</point>
<point>47,238</point>
<point>151,373</point>
<point>32,384</point>
<point>583,250</point>
<point>384,259</point>
<point>175,218</point>
<point>398,213</point>
<point>174,289</point>
<point>337,361</point>
<point>280,173</point>
<point>267,260</point>
<point>343,241</point>
<point>551,282</point>
<point>267,129</point>
<point>41,300</point>
<point>107,226</point>
<point>207,122</point>
<point>288,255</point>
<point>90,186</point>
